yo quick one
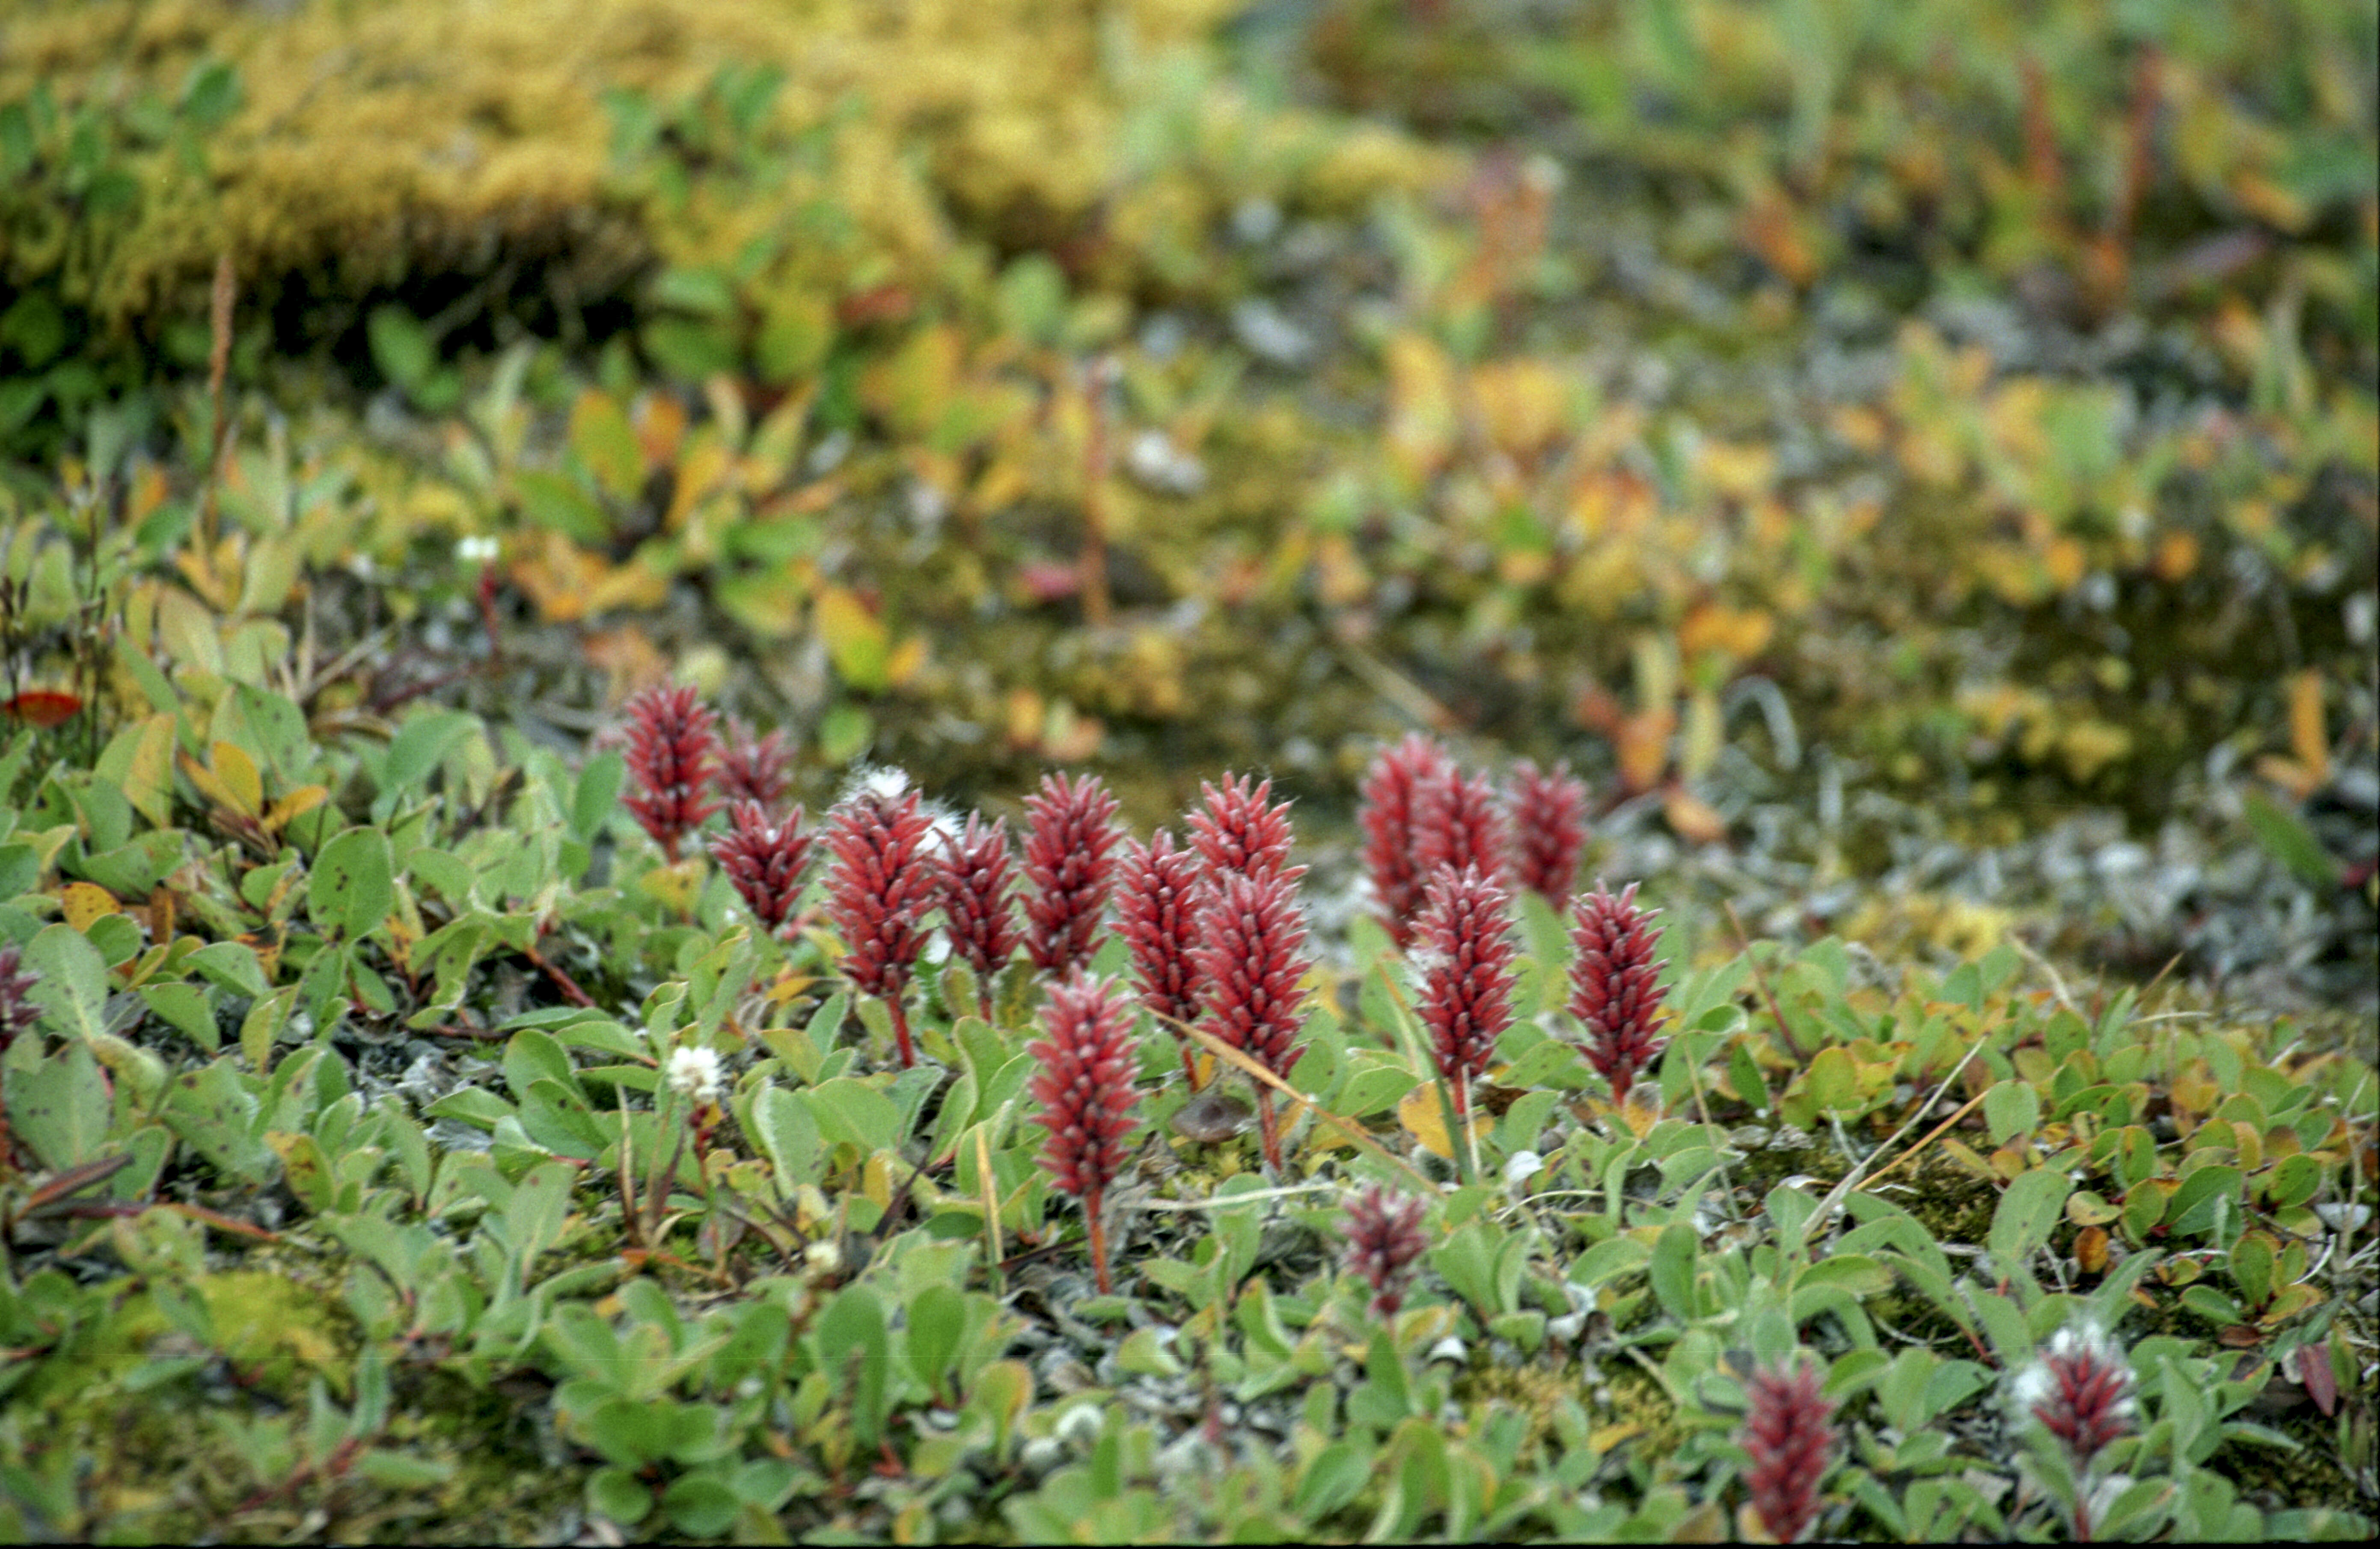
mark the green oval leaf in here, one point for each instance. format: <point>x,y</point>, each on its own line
<point>354,884</point>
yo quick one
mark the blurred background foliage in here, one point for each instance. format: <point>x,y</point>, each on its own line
<point>1978,395</point>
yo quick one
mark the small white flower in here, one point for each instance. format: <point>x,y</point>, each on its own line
<point>695,1072</point>
<point>478,548</point>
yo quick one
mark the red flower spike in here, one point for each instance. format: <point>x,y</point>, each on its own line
<point>1067,861</point>
<point>1249,956</point>
<point>2080,1392</point>
<point>1238,833</point>
<point>1548,810</point>
<point>1384,1238</point>
<point>1156,909</point>
<point>1459,823</point>
<point>672,752</point>
<point>755,771</point>
<point>1392,794</point>
<point>1466,998</point>
<point>1084,1087</point>
<point>1790,1436</point>
<point>1612,988</point>
<point>880,882</point>
<point>979,902</point>
<point>765,861</point>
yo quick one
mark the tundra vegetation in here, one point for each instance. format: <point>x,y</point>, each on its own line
<point>1366,769</point>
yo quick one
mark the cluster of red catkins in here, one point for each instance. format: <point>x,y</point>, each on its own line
<point>1216,938</point>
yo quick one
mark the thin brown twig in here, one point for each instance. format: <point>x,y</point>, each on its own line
<point>562,980</point>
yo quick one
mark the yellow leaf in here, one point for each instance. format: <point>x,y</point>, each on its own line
<point>305,799</point>
<point>2066,560</point>
<point>1004,481</point>
<point>1339,573</point>
<point>1605,1438</point>
<point>600,436</point>
<point>209,787</point>
<point>674,886</point>
<point>855,638</point>
<point>1524,405</point>
<point>149,779</point>
<point>706,464</point>
<point>876,1180</point>
<point>188,630</point>
<point>1421,421</point>
<point>2176,556</point>
<point>81,902</point>
<point>788,989</point>
<point>1642,743</point>
<point>2306,738</point>
<point>636,585</point>
<point>913,389</point>
<point>1693,818</point>
<point>1656,661</point>
<point>1736,634</point>
<point>271,573</point>
<point>1699,748</point>
<point>908,658</point>
<point>1737,471</point>
<point>1022,714</point>
<point>661,428</point>
<point>1419,1112</point>
<point>237,773</point>
<point>1610,502</point>
<point>149,492</point>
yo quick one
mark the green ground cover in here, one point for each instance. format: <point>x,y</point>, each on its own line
<point>1917,462</point>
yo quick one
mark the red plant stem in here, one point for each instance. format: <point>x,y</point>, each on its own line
<point>1094,1218</point>
<point>562,980</point>
<point>1269,1127</point>
<point>892,1003</point>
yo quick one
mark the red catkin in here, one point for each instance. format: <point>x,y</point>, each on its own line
<point>1458,822</point>
<point>1613,987</point>
<point>1068,869</point>
<point>1790,1434</point>
<point>1392,796</point>
<point>879,883</point>
<point>2080,1391</point>
<point>979,901</point>
<point>764,860</point>
<point>1466,948</point>
<point>1250,957</point>
<point>672,752</point>
<point>755,769</point>
<point>1384,1238</point>
<point>1156,911</point>
<point>1084,1087</point>
<point>1238,833</point>
<point>1548,830</point>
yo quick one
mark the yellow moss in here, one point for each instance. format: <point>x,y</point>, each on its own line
<point>381,139</point>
